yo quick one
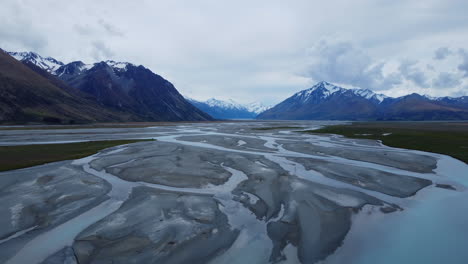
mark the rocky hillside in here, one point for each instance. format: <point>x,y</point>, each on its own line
<point>134,91</point>
<point>33,95</point>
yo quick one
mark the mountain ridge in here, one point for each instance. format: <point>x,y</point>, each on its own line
<point>327,101</point>
<point>117,86</point>
<point>143,95</point>
<point>228,109</point>
<point>30,94</point>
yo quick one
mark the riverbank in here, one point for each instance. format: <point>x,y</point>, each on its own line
<point>17,157</point>
<point>449,138</point>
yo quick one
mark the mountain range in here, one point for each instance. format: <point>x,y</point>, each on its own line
<point>229,109</point>
<point>38,89</point>
<point>325,101</point>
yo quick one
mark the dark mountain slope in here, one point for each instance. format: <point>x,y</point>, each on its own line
<point>126,87</point>
<point>132,93</point>
<point>26,96</point>
<point>417,107</point>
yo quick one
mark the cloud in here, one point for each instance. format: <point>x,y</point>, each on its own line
<point>463,67</point>
<point>84,30</point>
<point>345,63</point>
<point>410,71</point>
<point>446,80</point>
<point>442,53</point>
<point>17,30</point>
<point>111,29</point>
<point>342,62</point>
<point>100,51</point>
<point>99,29</point>
<point>430,67</point>
<point>232,48</point>
<point>23,38</point>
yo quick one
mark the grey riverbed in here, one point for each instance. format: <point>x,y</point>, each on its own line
<point>231,193</point>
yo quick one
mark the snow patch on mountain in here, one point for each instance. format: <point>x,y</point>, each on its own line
<point>49,64</point>
<point>117,64</point>
<point>325,90</point>
<point>230,104</point>
<point>87,67</point>
<point>257,107</point>
<point>368,94</point>
<point>229,109</point>
<point>432,97</point>
<point>254,107</point>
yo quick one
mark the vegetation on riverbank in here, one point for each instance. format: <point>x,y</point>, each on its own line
<point>16,157</point>
<point>276,128</point>
<point>449,138</point>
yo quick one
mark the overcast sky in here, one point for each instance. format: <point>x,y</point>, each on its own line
<point>256,50</point>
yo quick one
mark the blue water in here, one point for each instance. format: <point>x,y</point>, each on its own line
<point>436,231</point>
<point>432,229</point>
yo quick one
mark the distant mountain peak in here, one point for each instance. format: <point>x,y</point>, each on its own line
<point>257,107</point>
<point>369,94</point>
<point>24,55</point>
<point>118,64</point>
<point>59,68</point>
<point>48,64</point>
<point>72,68</point>
<point>229,104</point>
<point>229,109</point>
<point>320,90</point>
<point>432,97</point>
<point>325,84</point>
<point>326,101</point>
<point>323,90</point>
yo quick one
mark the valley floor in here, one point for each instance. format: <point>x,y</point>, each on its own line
<point>233,192</point>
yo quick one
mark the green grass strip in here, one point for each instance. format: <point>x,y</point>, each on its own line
<point>440,138</point>
<point>275,128</point>
<point>16,157</point>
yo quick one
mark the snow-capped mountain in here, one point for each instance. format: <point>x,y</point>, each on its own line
<point>229,104</point>
<point>323,90</point>
<point>257,107</point>
<point>228,109</point>
<point>29,94</point>
<point>72,69</point>
<point>325,101</point>
<point>58,68</point>
<point>122,86</point>
<point>49,64</point>
<point>118,64</point>
<point>368,94</point>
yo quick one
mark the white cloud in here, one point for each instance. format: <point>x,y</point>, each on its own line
<point>342,62</point>
<point>446,80</point>
<point>101,51</point>
<point>442,53</point>
<point>411,72</point>
<point>463,67</point>
<point>244,49</point>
